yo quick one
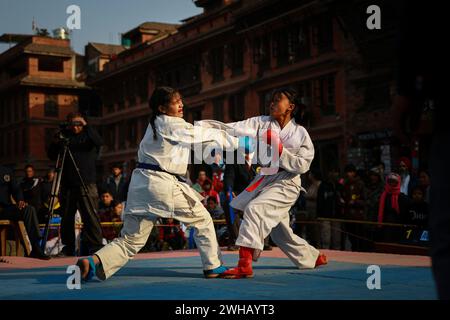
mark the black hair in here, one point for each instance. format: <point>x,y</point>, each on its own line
<point>73,115</point>
<point>295,99</point>
<point>106,191</point>
<point>117,165</point>
<point>161,96</point>
<point>213,199</point>
<point>29,166</point>
<point>114,203</point>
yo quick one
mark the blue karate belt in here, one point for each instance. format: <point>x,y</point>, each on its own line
<point>155,167</point>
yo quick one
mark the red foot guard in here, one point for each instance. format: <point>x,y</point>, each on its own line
<point>244,267</point>
<point>321,260</point>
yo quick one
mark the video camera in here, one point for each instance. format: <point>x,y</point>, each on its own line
<point>64,128</point>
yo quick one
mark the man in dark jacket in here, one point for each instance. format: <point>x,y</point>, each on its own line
<point>116,184</point>
<point>19,211</point>
<point>84,143</point>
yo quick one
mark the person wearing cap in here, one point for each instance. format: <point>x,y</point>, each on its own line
<point>393,208</point>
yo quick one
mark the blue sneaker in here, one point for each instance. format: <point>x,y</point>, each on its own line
<point>214,273</point>
<point>92,267</point>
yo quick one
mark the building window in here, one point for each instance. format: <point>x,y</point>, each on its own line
<point>122,135</point>
<point>25,141</point>
<point>236,106</point>
<point>132,133</point>
<point>261,53</point>
<point>130,91</point>
<point>280,48</point>
<point>52,64</point>
<point>325,94</point>
<point>110,137</point>
<point>2,146</point>
<point>305,92</point>
<point>2,111</point>
<point>51,106</point>
<point>323,35</point>
<point>235,58</point>
<point>300,42</point>
<point>218,109</point>
<point>143,87</point>
<point>24,105</point>
<point>217,62</point>
<point>8,110</point>
<point>48,133</point>
<point>9,144</point>
<point>120,96</point>
<point>264,102</point>
<point>108,101</point>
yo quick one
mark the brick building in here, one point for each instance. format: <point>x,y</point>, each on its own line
<point>228,59</point>
<point>38,88</point>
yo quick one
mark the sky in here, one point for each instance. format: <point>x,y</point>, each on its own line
<point>101,20</point>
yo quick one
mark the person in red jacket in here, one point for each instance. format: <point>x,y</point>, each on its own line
<point>172,233</point>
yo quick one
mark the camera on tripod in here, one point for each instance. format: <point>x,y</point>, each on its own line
<point>64,128</point>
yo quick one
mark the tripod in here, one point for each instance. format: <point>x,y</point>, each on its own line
<point>56,187</point>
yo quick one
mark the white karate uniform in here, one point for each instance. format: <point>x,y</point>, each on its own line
<point>153,194</point>
<point>266,208</point>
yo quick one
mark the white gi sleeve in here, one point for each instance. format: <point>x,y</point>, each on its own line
<point>300,161</point>
<point>248,127</point>
<point>190,135</point>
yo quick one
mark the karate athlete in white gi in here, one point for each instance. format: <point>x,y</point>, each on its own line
<point>269,197</point>
<point>156,189</point>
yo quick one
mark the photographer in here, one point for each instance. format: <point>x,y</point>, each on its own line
<point>84,143</point>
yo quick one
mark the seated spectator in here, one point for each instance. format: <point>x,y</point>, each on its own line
<point>111,213</point>
<point>418,211</point>
<point>31,188</point>
<point>208,192</point>
<point>172,234</point>
<point>393,208</point>
<point>198,186</point>
<point>117,211</point>
<point>214,209</point>
<point>106,199</point>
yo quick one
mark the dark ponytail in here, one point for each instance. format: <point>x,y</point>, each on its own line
<point>295,99</point>
<point>161,96</point>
